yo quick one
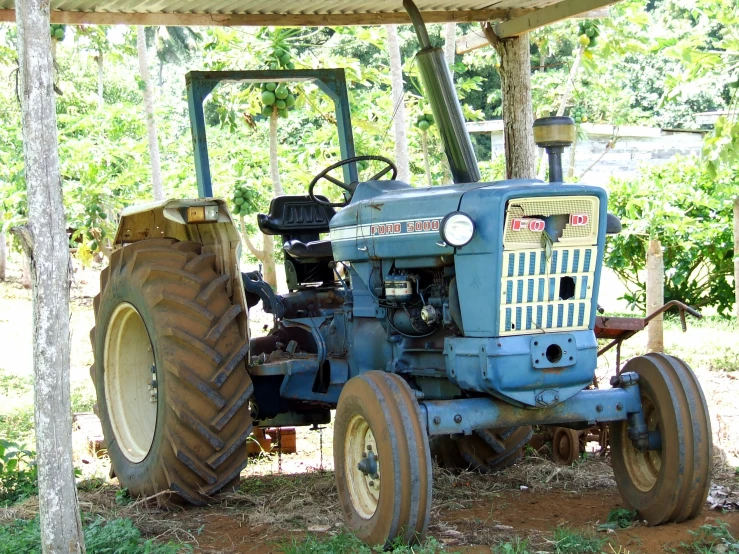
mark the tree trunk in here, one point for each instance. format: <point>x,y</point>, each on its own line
<point>396,81</point>
<point>736,255</point>
<point>3,254</point>
<point>655,295</point>
<point>151,124</point>
<point>450,44</point>
<point>269,271</point>
<point>273,159</point>
<point>571,167</point>
<point>45,240</point>
<point>101,74</point>
<point>426,165</point>
<point>518,114</point>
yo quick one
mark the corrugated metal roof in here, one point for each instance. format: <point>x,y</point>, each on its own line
<point>272,12</point>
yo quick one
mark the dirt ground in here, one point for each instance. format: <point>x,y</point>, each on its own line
<point>282,498</point>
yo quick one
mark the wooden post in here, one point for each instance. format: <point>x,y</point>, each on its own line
<point>518,113</point>
<point>655,295</point>
<point>46,243</point>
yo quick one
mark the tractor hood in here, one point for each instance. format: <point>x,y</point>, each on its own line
<point>391,219</point>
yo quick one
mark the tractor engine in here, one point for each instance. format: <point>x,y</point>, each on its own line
<point>417,302</point>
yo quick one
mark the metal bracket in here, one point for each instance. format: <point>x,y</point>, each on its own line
<point>201,83</point>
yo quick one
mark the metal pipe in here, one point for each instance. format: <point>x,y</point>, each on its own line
<point>449,417</point>
<point>442,97</point>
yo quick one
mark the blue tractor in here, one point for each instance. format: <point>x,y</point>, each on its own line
<point>448,319</point>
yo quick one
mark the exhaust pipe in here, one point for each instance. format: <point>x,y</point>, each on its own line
<point>442,96</point>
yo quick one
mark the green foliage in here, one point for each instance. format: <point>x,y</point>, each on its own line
<point>18,473</point>
<point>712,538</point>
<point>620,518</point>
<point>679,204</point>
<point>118,536</point>
<point>569,541</point>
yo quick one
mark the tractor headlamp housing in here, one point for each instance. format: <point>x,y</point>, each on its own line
<point>457,229</point>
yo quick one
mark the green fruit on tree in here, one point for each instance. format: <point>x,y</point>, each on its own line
<point>103,215</point>
<point>274,66</point>
<point>590,32</point>
<point>430,118</point>
<point>268,98</point>
<point>238,193</point>
<point>291,65</point>
<point>584,119</point>
<point>281,92</point>
<point>584,40</point>
<point>578,120</point>
<point>271,86</point>
<point>235,210</point>
<point>290,100</point>
<point>281,105</point>
<point>283,112</point>
<point>424,125</point>
<point>285,58</point>
<point>267,111</point>
<point>278,52</point>
<point>238,201</point>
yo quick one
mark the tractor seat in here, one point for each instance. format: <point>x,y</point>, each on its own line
<point>295,215</point>
<point>317,250</point>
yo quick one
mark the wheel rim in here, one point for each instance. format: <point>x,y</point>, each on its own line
<point>130,382</point>
<point>643,467</point>
<point>362,466</point>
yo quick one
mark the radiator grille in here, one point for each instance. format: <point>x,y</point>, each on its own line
<point>582,234</point>
<point>531,295</point>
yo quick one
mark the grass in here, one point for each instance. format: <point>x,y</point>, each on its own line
<point>571,541</point>
<point>515,546</point>
<point>117,536</point>
<point>345,542</point>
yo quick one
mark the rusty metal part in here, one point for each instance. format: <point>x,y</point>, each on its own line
<point>620,329</point>
<point>566,446</point>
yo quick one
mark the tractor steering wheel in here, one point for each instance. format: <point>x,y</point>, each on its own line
<point>349,187</point>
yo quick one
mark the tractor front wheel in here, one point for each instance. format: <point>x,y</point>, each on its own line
<point>669,484</point>
<point>382,460</point>
<point>172,387</point>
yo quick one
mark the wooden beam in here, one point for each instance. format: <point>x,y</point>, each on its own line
<point>473,41</point>
<point>545,16</point>
<point>265,20</point>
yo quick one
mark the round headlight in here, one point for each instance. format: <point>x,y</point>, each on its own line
<point>457,229</point>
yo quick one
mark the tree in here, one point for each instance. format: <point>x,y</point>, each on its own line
<point>398,93</point>
<point>677,205</point>
<point>518,114</point>
<point>713,58</point>
<point>45,239</point>
<point>151,124</point>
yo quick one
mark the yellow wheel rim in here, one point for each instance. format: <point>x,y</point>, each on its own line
<point>362,466</point>
<point>643,467</point>
<point>130,382</point>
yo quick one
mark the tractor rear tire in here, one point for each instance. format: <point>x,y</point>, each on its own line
<point>382,461</point>
<point>170,376</point>
<point>486,450</point>
<point>670,484</point>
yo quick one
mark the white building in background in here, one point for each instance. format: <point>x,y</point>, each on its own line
<point>634,147</point>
